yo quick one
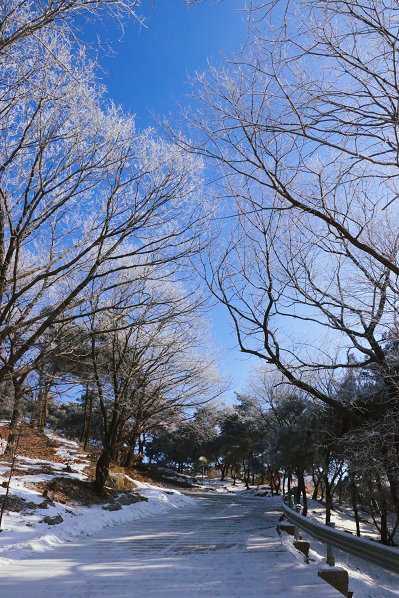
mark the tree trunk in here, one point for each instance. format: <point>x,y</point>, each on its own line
<point>277,482</point>
<point>302,490</point>
<point>222,473</point>
<point>102,470</point>
<point>340,491</point>
<point>110,441</point>
<point>316,483</point>
<point>88,417</point>
<point>383,515</point>
<point>246,477</point>
<point>16,414</point>
<point>18,394</point>
<point>354,506</point>
<point>43,405</point>
<point>329,499</point>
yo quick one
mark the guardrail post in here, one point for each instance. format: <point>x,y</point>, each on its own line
<point>291,499</point>
<point>330,549</point>
<point>298,536</point>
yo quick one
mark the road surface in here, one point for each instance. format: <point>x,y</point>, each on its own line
<point>224,546</point>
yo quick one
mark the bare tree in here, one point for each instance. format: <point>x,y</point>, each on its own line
<point>302,126</point>
<point>21,20</point>
<point>82,195</point>
<point>149,360</point>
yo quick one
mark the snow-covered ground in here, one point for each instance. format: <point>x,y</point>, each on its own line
<point>25,532</point>
<point>26,536</point>
<point>223,546</point>
<point>365,580</point>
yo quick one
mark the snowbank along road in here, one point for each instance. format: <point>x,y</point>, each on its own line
<point>223,546</point>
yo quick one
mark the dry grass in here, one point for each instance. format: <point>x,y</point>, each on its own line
<point>33,444</point>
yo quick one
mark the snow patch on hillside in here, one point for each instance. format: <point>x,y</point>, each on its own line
<point>25,532</point>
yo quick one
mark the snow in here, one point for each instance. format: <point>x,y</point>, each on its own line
<point>222,545</point>
<point>365,580</point>
<point>26,533</point>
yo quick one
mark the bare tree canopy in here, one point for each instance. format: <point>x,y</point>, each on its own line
<point>303,127</point>
<point>82,193</point>
<point>23,19</point>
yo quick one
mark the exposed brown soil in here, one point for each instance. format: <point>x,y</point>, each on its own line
<point>149,479</point>
<point>14,503</point>
<point>33,444</point>
<point>43,469</point>
<point>151,474</point>
<point>77,492</point>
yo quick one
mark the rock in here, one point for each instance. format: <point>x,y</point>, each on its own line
<point>113,507</point>
<point>4,484</point>
<point>130,499</point>
<point>45,493</point>
<point>53,520</point>
<point>43,505</point>
<point>31,505</point>
<point>68,469</point>
<point>116,480</point>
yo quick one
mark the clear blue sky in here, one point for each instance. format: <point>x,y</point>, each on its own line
<point>149,70</point>
<point>148,73</point>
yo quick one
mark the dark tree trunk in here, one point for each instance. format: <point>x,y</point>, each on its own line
<point>277,482</point>
<point>88,417</point>
<point>340,491</point>
<point>383,515</point>
<point>354,506</point>
<point>16,414</point>
<point>102,470</point>
<point>18,394</point>
<point>222,473</point>
<point>43,406</point>
<point>329,499</point>
<point>302,490</point>
<point>316,488</point>
<point>110,442</point>
<point>246,477</point>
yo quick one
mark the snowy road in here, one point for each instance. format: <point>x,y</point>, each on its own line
<point>224,546</point>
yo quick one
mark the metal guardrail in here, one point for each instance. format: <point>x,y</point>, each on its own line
<point>377,554</point>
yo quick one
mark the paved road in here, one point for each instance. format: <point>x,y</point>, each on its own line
<point>224,546</point>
